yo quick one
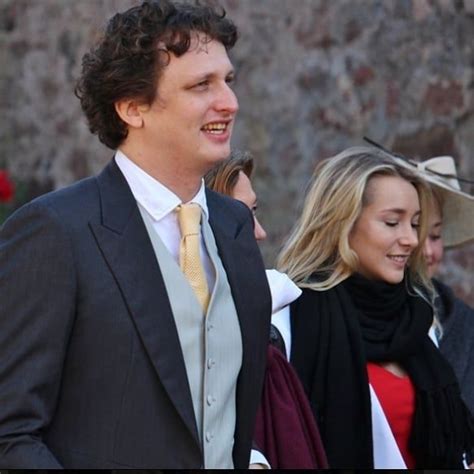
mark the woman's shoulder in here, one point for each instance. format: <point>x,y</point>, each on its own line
<point>454,306</point>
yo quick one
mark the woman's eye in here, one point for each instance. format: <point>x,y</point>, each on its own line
<point>391,224</point>
<point>230,80</point>
<point>435,237</point>
<point>415,225</point>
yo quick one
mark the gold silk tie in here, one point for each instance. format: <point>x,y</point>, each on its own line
<point>189,217</point>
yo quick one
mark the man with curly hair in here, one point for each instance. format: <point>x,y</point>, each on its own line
<point>109,357</point>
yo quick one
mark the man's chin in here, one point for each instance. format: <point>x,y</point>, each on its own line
<point>217,159</point>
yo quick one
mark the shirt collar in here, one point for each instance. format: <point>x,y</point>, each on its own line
<point>155,197</point>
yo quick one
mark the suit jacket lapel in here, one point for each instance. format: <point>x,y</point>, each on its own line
<point>225,231</point>
<point>239,253</point>
<point>125,244</point>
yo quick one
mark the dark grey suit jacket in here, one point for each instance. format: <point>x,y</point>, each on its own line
<point>91,370</point>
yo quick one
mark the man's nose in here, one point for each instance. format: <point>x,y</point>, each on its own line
<point>227,100</point>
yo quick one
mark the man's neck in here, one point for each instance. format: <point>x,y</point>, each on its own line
<point>184,183</point>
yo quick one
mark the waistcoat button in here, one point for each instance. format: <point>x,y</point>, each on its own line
<point>210,400</point>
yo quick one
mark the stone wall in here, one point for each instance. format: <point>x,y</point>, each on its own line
<point>314,76</point>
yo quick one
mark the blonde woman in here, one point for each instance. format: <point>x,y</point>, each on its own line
<point>383,395</point>
<point>450,225</point>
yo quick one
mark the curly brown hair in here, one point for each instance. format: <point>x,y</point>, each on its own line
<point>126,62</point>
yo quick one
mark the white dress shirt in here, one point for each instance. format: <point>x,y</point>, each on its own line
<point>161,203</point>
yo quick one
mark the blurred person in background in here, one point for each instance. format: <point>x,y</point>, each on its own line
<point>285,431</point>
<point>233,178</point>
<point>450,225</point>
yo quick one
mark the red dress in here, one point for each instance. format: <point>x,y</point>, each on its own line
<point>397,398</point>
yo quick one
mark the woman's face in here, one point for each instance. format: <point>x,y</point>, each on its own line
<point>386,233</point>
<point>433,248</point>
<point>244,192</point>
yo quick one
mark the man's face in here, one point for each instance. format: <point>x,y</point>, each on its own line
<point>189,124</point>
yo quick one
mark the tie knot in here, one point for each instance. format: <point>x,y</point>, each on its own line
<point>189,217</point>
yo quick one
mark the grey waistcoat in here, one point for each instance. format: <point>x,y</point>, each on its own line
<point>211,346</point>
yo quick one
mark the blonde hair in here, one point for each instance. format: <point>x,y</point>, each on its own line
<point>223,177</point>
<point>317,254</point>
<point>437,201</point>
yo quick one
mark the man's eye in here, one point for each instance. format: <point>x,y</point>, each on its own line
<point>201,84</point>
<point>230,80</point>
<point>391,224</point>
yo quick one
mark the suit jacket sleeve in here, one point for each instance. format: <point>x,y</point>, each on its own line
<point>37,288</point>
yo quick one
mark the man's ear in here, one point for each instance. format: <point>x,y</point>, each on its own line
<point>131,112</point>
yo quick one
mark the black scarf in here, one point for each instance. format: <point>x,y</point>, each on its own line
<point>335,333</point>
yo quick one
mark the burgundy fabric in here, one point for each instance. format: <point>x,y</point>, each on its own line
<point>286,431</point>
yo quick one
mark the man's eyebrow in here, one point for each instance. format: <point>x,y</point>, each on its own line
<point>210,75</point>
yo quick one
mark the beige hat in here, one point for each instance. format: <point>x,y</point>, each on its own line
<point>458,207</point>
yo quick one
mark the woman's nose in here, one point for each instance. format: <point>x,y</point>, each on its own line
<point>427,248</point>
<point>259,231</point>
<point>409,238</point>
